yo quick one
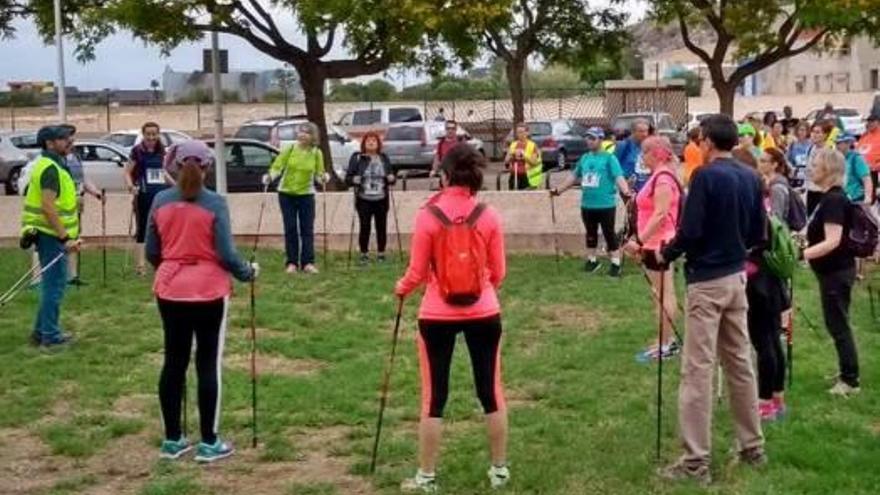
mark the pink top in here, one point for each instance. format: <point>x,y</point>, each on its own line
<point>454,202</point>
<point>645,202</point>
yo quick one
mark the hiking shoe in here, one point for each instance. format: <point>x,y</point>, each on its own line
<point>767,410</point>
<point>754,457</point>
<point>209,453</point>
<point>291,269</point>
<point>381,258</point>
<point>419,484</point>
<point>76,282</point>
<point>614,271</point>
<point>173,449</point>
<point>592,266</point>
<point>56,343</point>
<point>669,351</point>
<point>681,471</point>
<point>364,260</point>
<point>498,476</point>
<point>310,269</point>
<point>843,389</point>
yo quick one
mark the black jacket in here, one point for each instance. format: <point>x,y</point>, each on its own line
<point>358,164</point>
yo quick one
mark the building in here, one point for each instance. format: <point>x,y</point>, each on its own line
<point>249,86</point>
<point>851,66</point>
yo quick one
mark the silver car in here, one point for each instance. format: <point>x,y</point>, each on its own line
<point>103,164</point>
<point>411,146</point>
<point>12,160</point>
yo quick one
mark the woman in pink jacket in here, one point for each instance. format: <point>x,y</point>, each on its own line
<point>444,315</point>
<point>190,244</point>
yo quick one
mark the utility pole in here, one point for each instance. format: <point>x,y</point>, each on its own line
<point>219,151</point>
<point>59,48</point>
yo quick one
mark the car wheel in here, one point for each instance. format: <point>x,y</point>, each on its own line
<point>560,160</point>
<point>12,181</point>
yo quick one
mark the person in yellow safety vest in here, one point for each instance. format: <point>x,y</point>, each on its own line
<point>50,221</point>
<point>523,160</point>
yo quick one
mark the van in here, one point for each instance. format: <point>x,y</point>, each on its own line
<point>361,120</point>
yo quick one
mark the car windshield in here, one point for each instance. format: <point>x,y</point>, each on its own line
<point>124,140</point>
<point>625,122</point>
<point>26,142</point>
<point>405,133</point>
<point>404,115</point>
<point>256,132</point>
<point>540,128</point>
<point>846,112</point>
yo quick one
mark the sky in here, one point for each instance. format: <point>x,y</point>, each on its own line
<point>123,62</point>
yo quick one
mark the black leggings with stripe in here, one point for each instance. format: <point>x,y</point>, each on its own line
<point>436,341</point>
<point>182,320</point>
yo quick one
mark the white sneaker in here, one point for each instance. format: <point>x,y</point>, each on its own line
<point>842,389</point>
<point>419,484</point>
<point>498,476</point>
<point>310,269</point>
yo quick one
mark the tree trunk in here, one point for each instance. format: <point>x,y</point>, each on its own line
<point>726,94</point>
<point>515,69</point>
<point>313,88</point>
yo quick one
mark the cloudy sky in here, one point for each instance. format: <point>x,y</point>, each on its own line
<point>125,63</point>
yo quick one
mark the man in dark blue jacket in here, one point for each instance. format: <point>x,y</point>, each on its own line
<point>723,219</point>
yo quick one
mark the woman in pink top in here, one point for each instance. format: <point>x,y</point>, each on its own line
<point>189,242</point>
<point>658,204</point>
<point>461,174</point>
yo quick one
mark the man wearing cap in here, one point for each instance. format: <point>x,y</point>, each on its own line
<point>50,217</point>
<point>747,137</point>
<point>629,154</point>
<point>601,177</point>
<point>857,182</point>
<point>869,147</point>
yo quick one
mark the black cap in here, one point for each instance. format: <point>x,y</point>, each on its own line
<point>53,132</point>
<point>873,116</point>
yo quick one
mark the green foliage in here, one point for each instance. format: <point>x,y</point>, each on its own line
<point>693,83</point>
<point>20,99</point>
<point>206,96</point>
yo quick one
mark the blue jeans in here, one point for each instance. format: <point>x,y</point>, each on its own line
<point>298,213</point>
<point>54,280</point>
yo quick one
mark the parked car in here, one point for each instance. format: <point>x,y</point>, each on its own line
<point>358,121</point>
<point>279,132</point>
<point>850,118</point>
<point>103,163</point>
<point>12,160</point>
<point>411,146</point>
<point>562,141</point>
<point>694,119</point>
<point>27,142</point>
<point>759,115</point>
<point>663,125</point>
<point>247,160</point>
<point>130,138</point>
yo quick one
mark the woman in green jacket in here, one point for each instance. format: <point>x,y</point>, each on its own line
<point>299,166</point>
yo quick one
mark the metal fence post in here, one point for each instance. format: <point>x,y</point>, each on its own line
<point>198,114</point>
<point>107,103</point>
<point>559,95</point>
<point>453,110</point>
<point>425,104</point>
<point>12,113</point>
<point>494,127</point>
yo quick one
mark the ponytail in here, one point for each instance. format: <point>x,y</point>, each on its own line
<point>190,180</point>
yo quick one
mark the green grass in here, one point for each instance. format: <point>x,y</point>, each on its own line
<point>582,410</point>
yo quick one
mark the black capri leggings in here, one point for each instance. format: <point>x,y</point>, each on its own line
<point>766,298</point>
<point>182,320</point>
<point>436,341</point>
<point>143,203</point>
<point>367,211</point>
<point>605,218</point>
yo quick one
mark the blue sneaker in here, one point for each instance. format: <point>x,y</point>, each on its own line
<point>209,453</point>
<point>173,449</point>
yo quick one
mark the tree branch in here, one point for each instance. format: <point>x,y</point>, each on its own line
<point>328,43</point>
<point>770,57</point>
<point>689,43</point>
<point>496,44</point>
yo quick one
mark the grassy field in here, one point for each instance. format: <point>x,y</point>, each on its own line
<point>582,409</point>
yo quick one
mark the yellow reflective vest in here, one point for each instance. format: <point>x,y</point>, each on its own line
<point>534,171</point>
<point>33,217</point>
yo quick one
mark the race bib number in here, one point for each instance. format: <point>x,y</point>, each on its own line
<point>155,176</point>
<point>590,180</point>
<point>641,169</point>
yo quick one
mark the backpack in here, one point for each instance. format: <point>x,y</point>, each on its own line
<point>782,253</point>
<point>796,213</point>
<point>459,257</point>
<point>633,209</point>
<point>864,230</point>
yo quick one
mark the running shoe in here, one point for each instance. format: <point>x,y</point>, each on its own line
<point>381,258</point>
<point>767,410</point>
<point>76,282</point>
<point>498,476</point>
<point>592,266</point>
<point>291,269</point>
<point>210,453</point>
<point>173,449</point>
<point>755,457</point>
<point>364,260</point>
<point>614,271</point>
<point>843,389</point>
<point>419,484</point>
<point>669,351</point>
<point>681,471</point>
<point>57,343</point>
<point>311,269</point>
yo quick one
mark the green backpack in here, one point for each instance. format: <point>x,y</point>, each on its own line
<point>781,256</point>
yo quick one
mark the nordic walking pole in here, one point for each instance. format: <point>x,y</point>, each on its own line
<point>555,233</point>
<point>34,272</point>
<point>128,249</point>
<point>351,230</point>
<point>103,236</point>
<point>383,398</point>
<point>253,318</point>
<point>789,335</point>
<point>324,214</point>
<point>663,307</point>
<point>396,226</point>
<point>660,364</point>
<point>185,401</point>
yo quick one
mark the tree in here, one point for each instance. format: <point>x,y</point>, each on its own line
<point>693,83</point>
<point>377,33</point>
<point>567,31</point>
<point>755,34</point>
<point>9,11</point>
<point>154,85</point>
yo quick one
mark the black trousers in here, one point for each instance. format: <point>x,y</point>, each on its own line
<point>813,200</point>
<point>369,211</point>
<point>436,344</point>
<point>517,182</point>
<point>593,219</point>
<point>143,203</point>
<point>766,298</point>
<point>182,320</point>
<point>835,290</point>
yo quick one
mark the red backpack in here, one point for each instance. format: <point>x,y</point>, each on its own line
<point>459,257</point>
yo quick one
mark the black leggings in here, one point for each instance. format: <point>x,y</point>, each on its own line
<point>835,290</point>
<point>765,296</point>
<point>207,320</point>
<point>436,341</point>
<point>143,203</point>
<point>517,182</point>
<point>367,211</point>
<point>592,220</point>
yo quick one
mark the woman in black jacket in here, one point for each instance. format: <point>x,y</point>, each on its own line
<point>370,173</point>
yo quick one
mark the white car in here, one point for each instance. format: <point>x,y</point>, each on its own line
<point>695,118</point>
<point>128,139</point>
<point>103,164</point>
<point>850,118</point>
<point>377,119</point>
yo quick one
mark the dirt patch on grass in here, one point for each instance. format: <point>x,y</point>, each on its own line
<point>571,317</point>
<point>26,465</point>
<point>273,364</point>
<point>132,406</point>
<point>875,429</point>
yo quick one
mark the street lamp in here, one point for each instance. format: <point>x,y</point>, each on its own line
<point>59,48</point>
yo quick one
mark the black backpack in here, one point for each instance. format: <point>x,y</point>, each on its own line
<point>864,231</point>
<point>796,213</point>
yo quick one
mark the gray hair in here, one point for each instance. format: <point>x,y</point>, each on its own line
<point>640,121</point>
<point>311,129</point>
